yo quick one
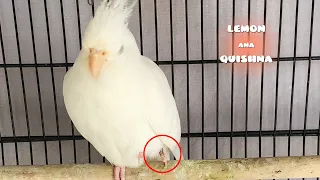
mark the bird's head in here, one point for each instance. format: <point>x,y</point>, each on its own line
<point>107,36</point>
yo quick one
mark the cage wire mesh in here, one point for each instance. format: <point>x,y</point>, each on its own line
<point>227,110</point>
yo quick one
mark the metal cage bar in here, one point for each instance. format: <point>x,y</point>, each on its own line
<point>53,81</point>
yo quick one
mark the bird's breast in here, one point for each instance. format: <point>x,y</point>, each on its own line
<point>112,116</point>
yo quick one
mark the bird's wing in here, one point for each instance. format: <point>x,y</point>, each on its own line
<point>163,114</point>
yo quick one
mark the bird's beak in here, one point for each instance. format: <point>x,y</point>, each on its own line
<point>96,61</point>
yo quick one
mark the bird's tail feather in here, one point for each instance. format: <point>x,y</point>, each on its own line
<point>176,153</point>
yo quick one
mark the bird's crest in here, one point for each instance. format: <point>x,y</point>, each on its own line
<point>105,30</point>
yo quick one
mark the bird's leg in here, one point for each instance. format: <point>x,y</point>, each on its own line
<point>119,173</point>
<point>123,173</point>
<point>116,173</point>
<point>163,157</point>
<point>140,156</point>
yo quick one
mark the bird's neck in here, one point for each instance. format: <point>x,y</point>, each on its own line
<point>130,45</point>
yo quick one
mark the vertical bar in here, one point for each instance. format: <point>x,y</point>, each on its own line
<point>202,81</point>
<point>22,80</point>
<point>64,35</point>
<point>171,46</point>
<point>232,77</point>
<point>9,100</point>
<point>80,46</point>
<point>247,94</point>
<point>89,145</point>
<point>2,151</point>
<point>308,79</point>
<point>53,80</point>
<point>79,24</point>
<point>318,146</point>
<point>156,29</point>
<point>262,78</point>
<point>171,51</point>
<point>277,81</point>
<point>140,19</point>
<point>2,50</point>
<point>92,7</point>
<point>187,56</point>
<point>89,152</point>
<point>308,84</point>
<point>293,75</point>
<point>217,85</point>
<point>38,82</point>
<point>66,64</point>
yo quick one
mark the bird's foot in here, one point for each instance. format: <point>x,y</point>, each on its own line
<point>163,157</point>
<point>119,173</point>
<point>140,156</point>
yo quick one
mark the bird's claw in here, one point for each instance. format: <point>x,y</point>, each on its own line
<point>165,164</point>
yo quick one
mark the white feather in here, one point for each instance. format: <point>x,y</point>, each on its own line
<point>129,103</point>
<point>110,21</point>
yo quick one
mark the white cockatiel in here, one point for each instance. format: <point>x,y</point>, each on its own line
<point>117,98</point>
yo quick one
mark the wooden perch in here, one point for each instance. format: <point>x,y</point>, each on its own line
<point>222,169</point>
